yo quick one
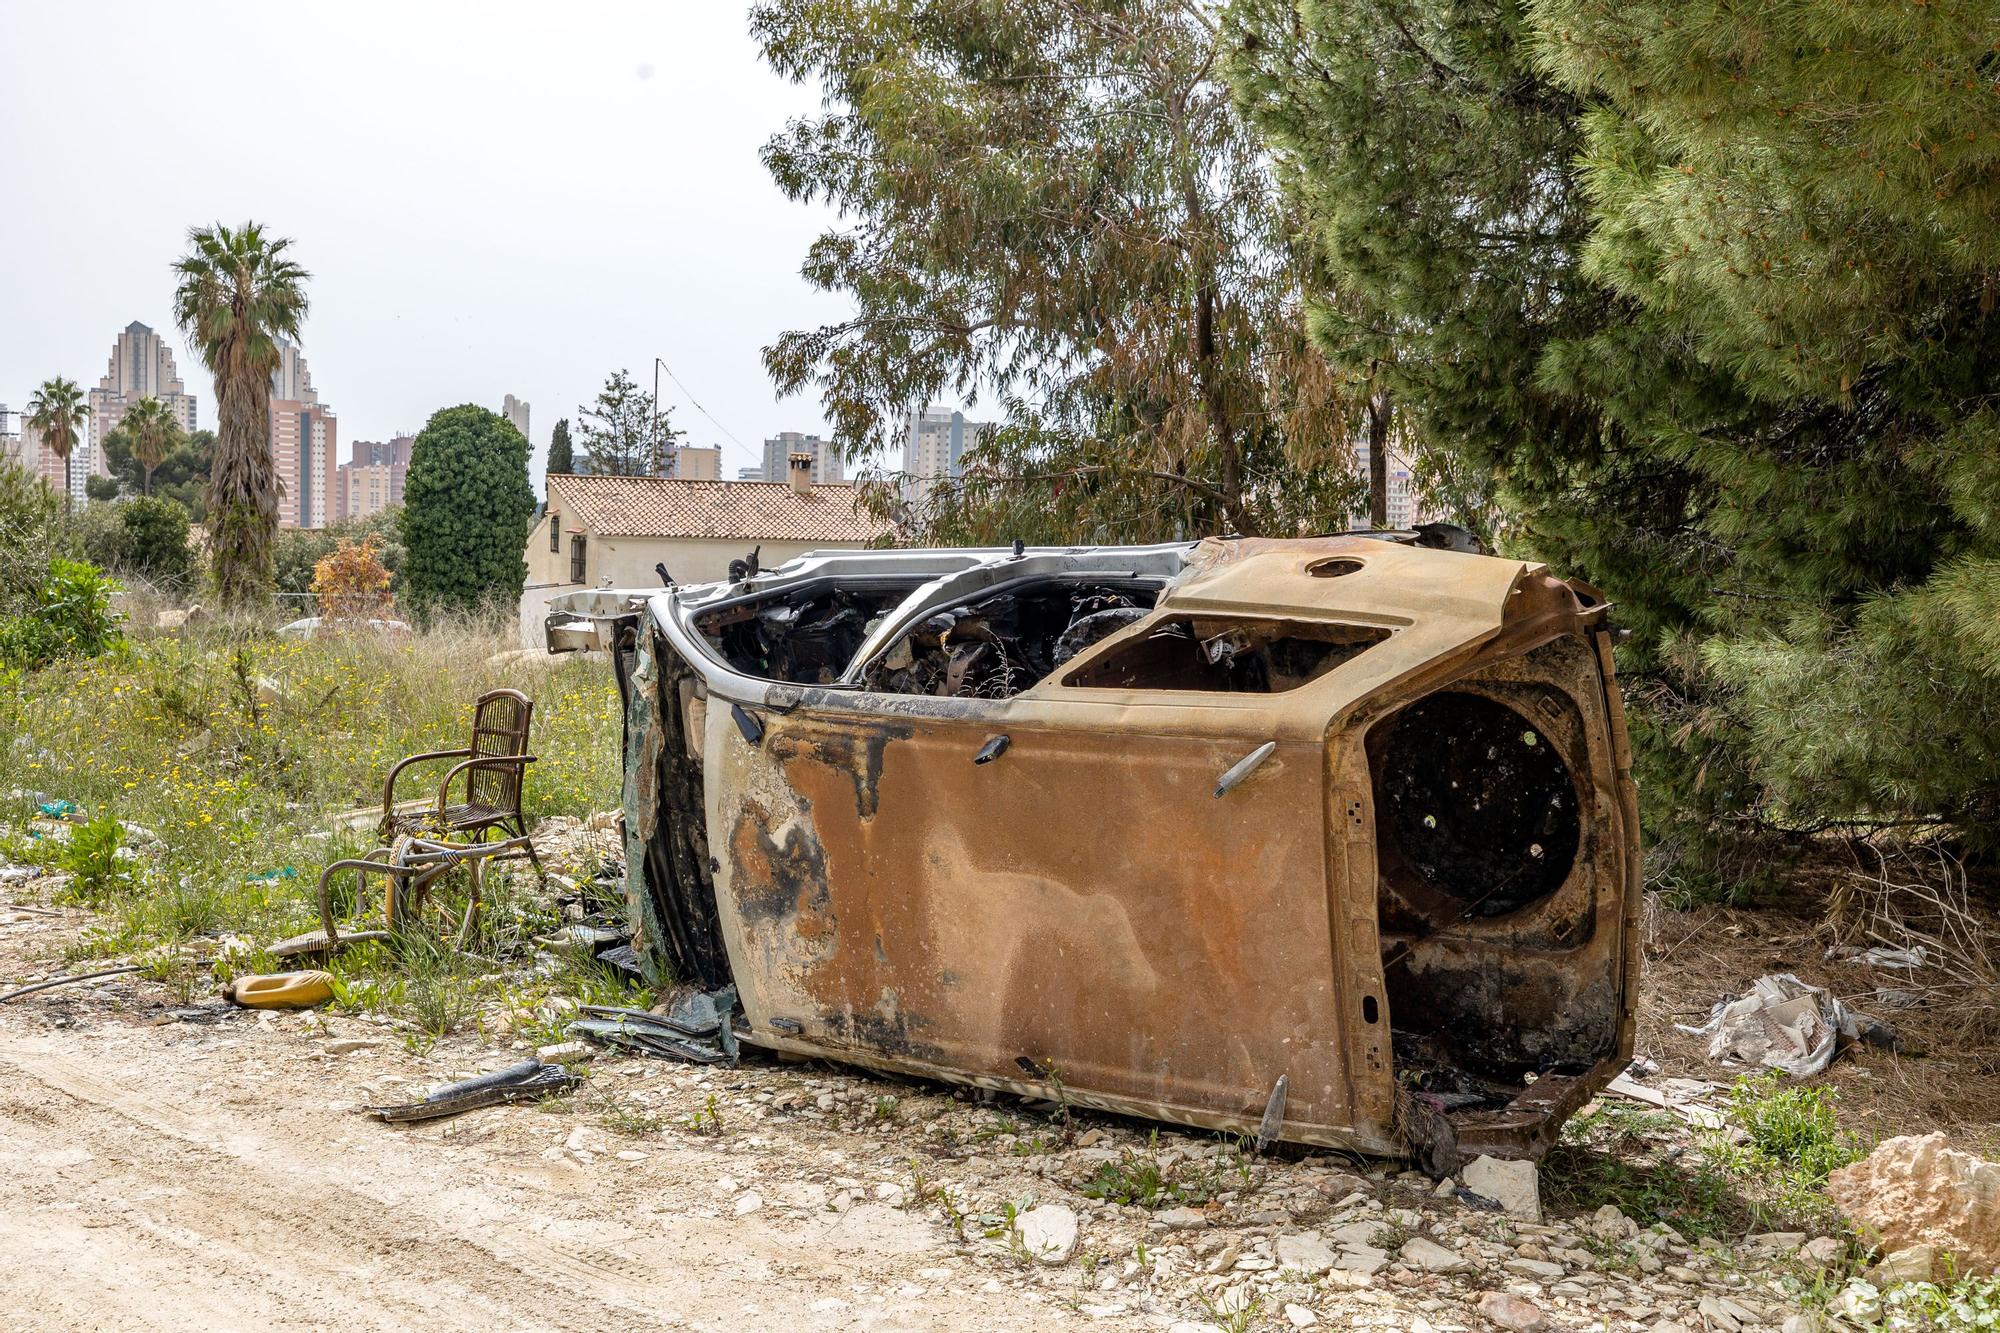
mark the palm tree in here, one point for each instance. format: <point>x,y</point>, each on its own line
<point>151,427</point>
<point>56,411</point>
<point>237,296</point>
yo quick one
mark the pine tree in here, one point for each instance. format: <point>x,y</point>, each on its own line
<point>625,432</point>
<point>1706,292</point>
<point>1805,195</point>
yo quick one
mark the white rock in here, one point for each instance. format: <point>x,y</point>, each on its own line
<point>1048,1232</point>
<point>1608,1224</point>
<point>1512,1185</point>
<point>892,1195</point>
<point>1431,1257</point>
<point>1917,1191</point>
<point>1306,1251</point>
<point>1823,1252</point>
<point>1300,1316</point>
<point>1182,1219</point>
<point>566,1053</point>
<point>1517,1313</point>
<point>749,1201</point>
<point>349,1045</point>
<point>1357,1234</point>
<point>1913,1263</point>
<point>1776,1242</point>
<point>1535,1268</point>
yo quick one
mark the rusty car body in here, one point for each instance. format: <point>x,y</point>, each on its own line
<point>1332,838</point>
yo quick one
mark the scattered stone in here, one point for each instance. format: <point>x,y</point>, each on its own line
<point>1508,1311</point>
<point>1823,1252</point>
<point>1048,1232</point>
<point>1911,1264</point>
<point>566,1053</point>
<point>1419,1252</point>
<point>1722,1315</point>
<point>1181,1219</point>
<point>349,1045</point>
<point>1535,1268</point>
<point>895,1196</point>
<point>1512,1185</point>
<point>1913,1190</point>
<point>1803,1323</point>
<point>1306,1251</point>
<point>631,1155</point>
<point>1608,1224</point>
<point>1300,1316</point>
<point>749,1201</point>
<point>1776,1242</point>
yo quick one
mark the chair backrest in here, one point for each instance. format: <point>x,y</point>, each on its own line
<point>500,721</point>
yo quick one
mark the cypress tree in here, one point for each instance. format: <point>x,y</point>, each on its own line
<point>559,453</point>
<point>467,507</point>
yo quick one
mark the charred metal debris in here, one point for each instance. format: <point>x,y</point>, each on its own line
<point>1328,840</point>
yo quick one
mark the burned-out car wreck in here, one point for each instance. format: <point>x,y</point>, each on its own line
<point>1328,840</point>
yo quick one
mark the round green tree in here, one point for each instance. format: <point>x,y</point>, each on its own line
<point>466,511</point>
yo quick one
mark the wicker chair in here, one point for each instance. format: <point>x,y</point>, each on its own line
<point>491,769</point>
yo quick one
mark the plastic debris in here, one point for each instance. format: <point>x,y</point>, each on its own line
<point>273,876</point>
<point>530,1080</point>
<point>1785,1024</point>
<point>57,809</point>
<point>281,990</point>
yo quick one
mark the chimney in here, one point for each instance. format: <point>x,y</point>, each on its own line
<point>802,471</point>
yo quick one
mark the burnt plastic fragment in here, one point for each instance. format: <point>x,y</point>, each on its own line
<point>529,1080</point>
<point>752,729</point>
<point>993,749</point>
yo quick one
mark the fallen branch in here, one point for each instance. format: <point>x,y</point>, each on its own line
<point>64,981</point>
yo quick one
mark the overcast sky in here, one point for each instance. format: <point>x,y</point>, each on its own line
<point>511,196</point>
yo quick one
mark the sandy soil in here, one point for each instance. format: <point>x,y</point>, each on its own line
<point>215,1175</point>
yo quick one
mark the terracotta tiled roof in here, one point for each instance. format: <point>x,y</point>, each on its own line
<point>664,507</point>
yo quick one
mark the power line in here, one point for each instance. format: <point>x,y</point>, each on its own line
<point>661,364</point>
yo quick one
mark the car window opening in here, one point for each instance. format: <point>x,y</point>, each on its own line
<point>1227,656</point>
<point>805,636</point>
<point>994,647</point>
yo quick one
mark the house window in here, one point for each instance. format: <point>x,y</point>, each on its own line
<point>576,558</point>
<point>555,532</point>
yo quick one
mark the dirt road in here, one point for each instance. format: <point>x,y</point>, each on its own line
<point>182,1177</point>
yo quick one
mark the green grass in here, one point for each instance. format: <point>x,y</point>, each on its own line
<point>1151,1180</point>
<point>227,753</point>
<point>1707,1183</point>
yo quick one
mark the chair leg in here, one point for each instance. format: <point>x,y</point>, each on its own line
<point>521,825</point>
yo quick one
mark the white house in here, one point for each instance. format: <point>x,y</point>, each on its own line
<point>613,532</point>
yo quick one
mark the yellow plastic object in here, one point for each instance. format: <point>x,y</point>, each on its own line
<point>281,990</point>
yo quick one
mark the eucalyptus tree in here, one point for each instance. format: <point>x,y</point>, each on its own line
<point>1055,203</point>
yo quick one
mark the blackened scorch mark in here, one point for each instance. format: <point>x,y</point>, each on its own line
<point>854,748</point>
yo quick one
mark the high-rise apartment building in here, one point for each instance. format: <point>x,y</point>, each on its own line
<point>516,411</point>
<point>1405,507</point>
<point>142,366</point>
<point>693,463</point>
<point>304,444</point>
<point>372,478</point>
<point>779,449</point>
<point>934,448</point>
<point>750,474</point>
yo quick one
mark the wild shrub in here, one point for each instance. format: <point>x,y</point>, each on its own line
<point>69,615</point>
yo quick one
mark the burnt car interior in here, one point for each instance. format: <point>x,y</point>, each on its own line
<point>1480,830</point>
<point>993,646</point>
<point>1227,655</point>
